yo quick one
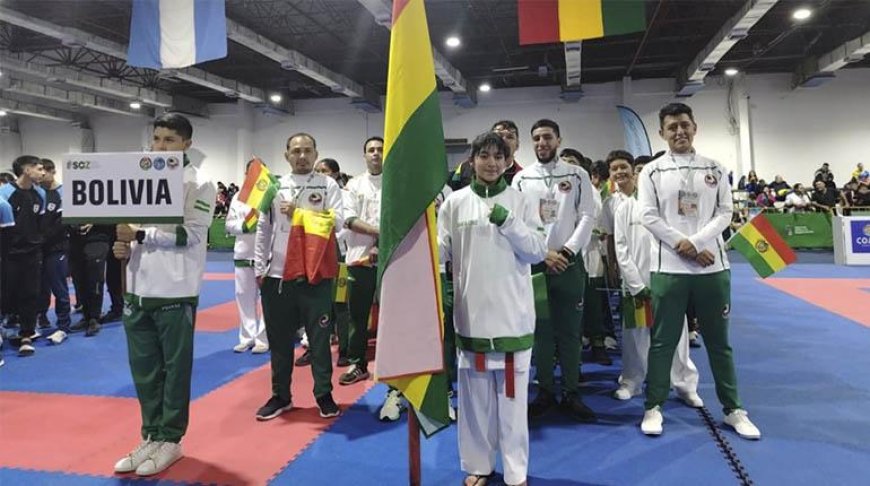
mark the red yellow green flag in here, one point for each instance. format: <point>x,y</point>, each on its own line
<point>312,252</point>
<point>636,313</point>
<point>410,354</point>
<point>762,246</point>
<point>260,186</point>
<point>547,21</point>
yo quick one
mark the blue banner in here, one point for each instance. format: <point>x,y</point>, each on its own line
<point>861,236</point>
<point>636,138</point>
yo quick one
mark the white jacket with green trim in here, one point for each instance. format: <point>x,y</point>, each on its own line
<point>170,262</point>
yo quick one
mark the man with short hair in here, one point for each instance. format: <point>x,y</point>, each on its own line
<point>22,244</point>
<point>164,278</point>
<point>55,260</point>
<point>293,302</point>
<point>508,131</point>
<point>563,195</point>
<point>362,211</point>
<point>798,200</point>
<point>824,199</point>
<point>685,201</point>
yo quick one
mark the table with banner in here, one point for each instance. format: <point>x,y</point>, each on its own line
<point>852,240</point>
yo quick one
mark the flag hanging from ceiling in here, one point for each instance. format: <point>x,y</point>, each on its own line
<point>410,325</point>
<point>176,33</point>
<point>547,21</point>
<point>762,246</point>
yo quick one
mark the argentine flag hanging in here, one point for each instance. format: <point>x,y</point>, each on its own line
<point>176,33</point>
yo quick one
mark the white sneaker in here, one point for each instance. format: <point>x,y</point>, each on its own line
<point>584,341</point>
<point>451,412</point>
<point>131,461</point>
<point>623,393</point>
<point>242,347</point>
<point>164,456</point>
<point>691,399</point>
<point>610,344</point>
<point>652,421</point>
<point>739,419</point>
<point>57,337</point>
<point>260,348</point>
<point>392,407</point>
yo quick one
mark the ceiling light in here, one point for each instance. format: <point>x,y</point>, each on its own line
<point>731,71</point>
<point>484,88</point>
<point>452,41</point>
<point>801,14</point>
<point>2,112</point>
<point>135,105</point>
<point>275,98</point>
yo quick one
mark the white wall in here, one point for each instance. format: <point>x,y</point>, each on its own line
<point>793,131</point>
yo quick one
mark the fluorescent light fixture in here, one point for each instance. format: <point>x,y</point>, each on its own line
<point>485,88</point>
<point>2,112</point>
<point>731,71</point>
<point>801,14</point>
<point>453,42</point>
<point>135,105</point>
<point>275,98</point>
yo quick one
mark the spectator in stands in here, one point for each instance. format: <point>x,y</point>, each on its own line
<point>766,197</point>
<point>752,186</point>
<point>862,194</point>
<point>222,201</point>
<point>859,169</point>
<point>798,200</point>
<point>824,199</point>
<point>822,172</point>
<point>780,188</point>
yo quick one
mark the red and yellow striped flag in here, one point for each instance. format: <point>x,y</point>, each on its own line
<point>260,186</point>
<point>547,21</point>
<point>311,249</point>
<point>636,313</point>
<point>410,354</point>
<point>250,223</point>
<point>762,246</point>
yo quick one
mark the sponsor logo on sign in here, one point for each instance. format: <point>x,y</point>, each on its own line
<point>565,186</point>
<point>861,236</point>
<point>172,162</point>
<point>710,180</point>
<point>762,246</point>
<point>145,163</point>
<point>159,163</point>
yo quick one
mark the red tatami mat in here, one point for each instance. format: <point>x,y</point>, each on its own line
<point>218,276</point>
<point>218,318</point>
<point>224,444</point>
<point>842,296</point>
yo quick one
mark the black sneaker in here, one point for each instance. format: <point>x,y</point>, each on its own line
<point>26,347</point>
<point>327,406</point>
<point>304,360</point>
<point>273,408</point>
<point>80,326</point>
<point>574,406</point>
<point>354,374</point>
<point>77,308</point>
<point>42,321</point>
<point>543,403</point>
<point>111,316</point>
<point>599,355</point>
<point>343,362</point>
<point>93,328</point>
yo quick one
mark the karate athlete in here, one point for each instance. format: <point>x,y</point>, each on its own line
<point>252,329</point>
<point>563,196</point>
<point>289,304</point>
<point>492,234</point>
<point>685,201</point>
<point>164,277</point>
<point>632,242</point>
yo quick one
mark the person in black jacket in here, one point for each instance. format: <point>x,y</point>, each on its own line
<point>92,245</point>
<point>55,264</point>
<point>22,244</point>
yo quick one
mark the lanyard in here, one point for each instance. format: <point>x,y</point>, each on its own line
<point>684,179</point>
<point>300,189</point>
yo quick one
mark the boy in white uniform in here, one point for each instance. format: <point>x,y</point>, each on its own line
<point>252,330</point>
<point>492,235</point>
<point>632,243</point>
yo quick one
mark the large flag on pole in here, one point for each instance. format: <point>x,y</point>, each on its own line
<point>176,33</point>
<point>410,354</point>
<point>547,21</point>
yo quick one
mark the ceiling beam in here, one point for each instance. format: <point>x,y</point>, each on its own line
<point>78,38</point>
<point>11,105</point>
<point>735,29</point>
<point>818,70</point>
<point>451,78</point>
<point>73,98</point>
<point>16,63</point>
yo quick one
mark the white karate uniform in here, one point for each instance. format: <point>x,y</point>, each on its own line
<point>493,298</point>
<point>633,243</point>
<point>252,329</point>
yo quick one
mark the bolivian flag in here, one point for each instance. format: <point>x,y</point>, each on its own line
<point>765,249</point>
<point>250,223</point>
<point>311,249</point>
<point>410,353</point>
<point>259,188</point>
<point>548,21</point>
<point>636,313</point>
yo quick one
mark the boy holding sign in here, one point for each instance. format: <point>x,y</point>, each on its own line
<point>164,276</point>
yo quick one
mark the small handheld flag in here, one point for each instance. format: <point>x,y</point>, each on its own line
<point>259,188</point>
<point>763,247</point>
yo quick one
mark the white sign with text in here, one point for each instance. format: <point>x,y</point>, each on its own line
<point>123,187</point>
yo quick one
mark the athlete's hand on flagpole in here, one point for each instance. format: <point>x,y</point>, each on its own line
<point>705,258</point>
<point>126,232</point>
<point>121,250</point>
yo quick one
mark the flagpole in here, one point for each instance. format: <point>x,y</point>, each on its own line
<point>413,449</point>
